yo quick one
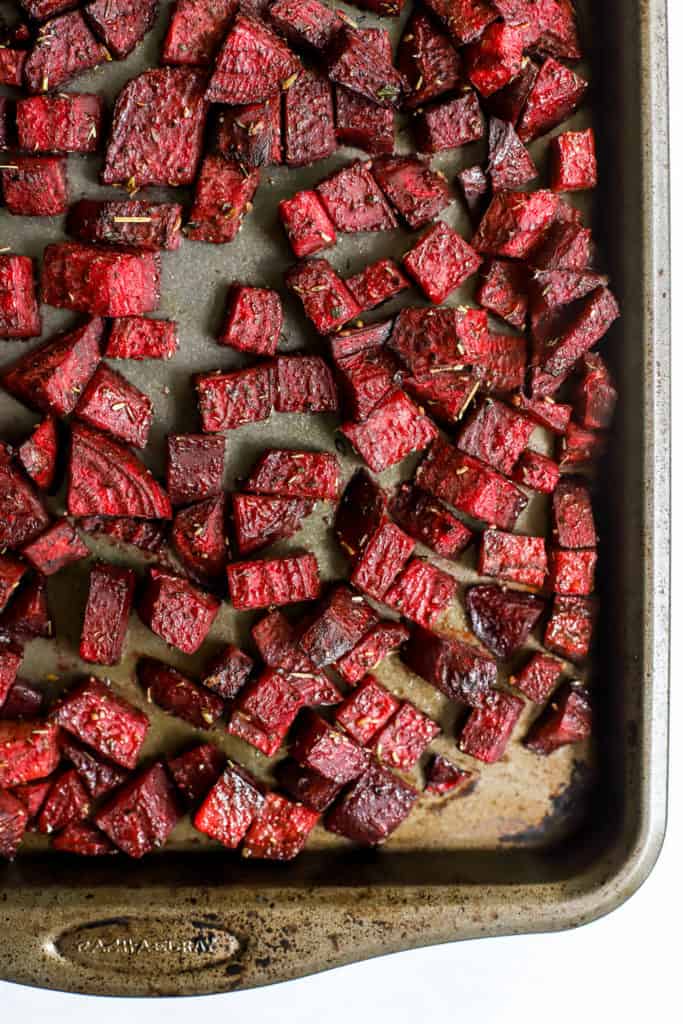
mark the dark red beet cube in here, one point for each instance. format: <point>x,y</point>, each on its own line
<point>35,186</point>
<point>122,24</point>
<point>445,393</point>
<point>260,520</point>
<point>538,678</point>
<point>344,618</point>
<point>373,808</point>
<point>381,640</point>
<point>503,290</point>
<point>196,31</point>
<point>38,454</point>
<point>194,467</point>
<point>10,660</point>
<point>555,95</point>
<point>596,316</point>
<point>177,611</point>
<point>566,246</point>
<point>279,648</point>
<point>381,560</point>
<point>497,435</point>
<point>573,165</point>
<point>445,778</point>
<point>406,736</point>
<point>427,59</point>
<point>422,592</point>
<point>474,186</point>
<point>198,537</point>
<point>428,520</point>
<point>537,472</point>
<point>140,337</point>
<point>227,672</point>
<point>376,283</point>
<point>296,474</point>
<point>308,120</point>
<point>64,48</point>
<point>133,223</point>
<point>570,627</point>
<point>568,718</point>
<point>306,786</point>
<point>265,710</point>
<point>327,301</point>
<point>175,693</point>
<point>251,134</point>
<point>394,429</point>
<point>510,165</point>
<point>28,751</point>
<point>366,710</point>
<point>359,513</point>
<point>358,64</point>
<point>13,821</point>
<point>276,582</point>
<point>305,23</point>
<point>572,572</point>
<point>19,315</point>
<point>23,701</point>
<point>464,19</point>
<point>354,201</point>
<point>230,807</point>
<point>253,64</point>
<point>12,63</point>
<point>280,830</point>
<point>222,200</point>
<point>28,615</point>
<point>253,320</point>
<point>98,777</point>
<point>502,619</point>
<point>440,261</point>
<point>196,770</point>
<point>552,415</point>
<point>66,123</point>
<point>147,536</point>
<point>41,10</point>
<point>229,400</point>
<point>327,751</point>
<point>413,189</point>
<point>24,517</point>
<point>111,403</point>
<point>488,728</point>
<point>596,396</point>
<point>11,574</point>
<point>495,59</point>
<point>58,547</point>
<point>100,281</point>
<point>67,801</point>
<point>365,378</point>
<point>425,338</point>
<point>449,124</point>
<point>558,37</point>
<point>107,723</point>
<point>513,556</point>
<point>305,220</point>
<point>304,384</point>
<point>82,839</point>
<point>579,447</point>
<point>140,817</point>
<point>361,123</point>
<point>515,222</point>
<point>157,130</point>
<point>32,795</point>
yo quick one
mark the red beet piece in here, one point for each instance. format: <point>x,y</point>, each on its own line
<point>573,165</point>
<point>464,19</point>
<point>261,520</point>
<point>366,710</point>
<point>12,63</point>
<point>147,536</point>
<point>306,23</point>
<point>304,384</point>
<point>424,338</point>
<point>121,24</point>
<point>66,123</point>
<point>308,120</point>
<point>361,123</point>
<point>10,660</point>
<point>253,320</point>
<point>279,648</point>
<point>538,678</point>
<point>357,63</point>
<point>222,199</point>
<point>373,808</point>
<point>404,739</point>
<point>558,31</point>
<point>502,290</point>
<point>495,59</point>
<point>230,807</point>
<point>140,817</point>
<point>229,400</point>
<point>111,403</point>
<point>544,411</point>
<point>353,340</point>
<point>32,795</point>
<point>253,64</point>
<point>572,522</point>
<point>305,220</point>
<point>394,429</point>
<point>497,435</point>
<point>198,537</point>
<point>175,693</point>
<point>441,261</point>
<point>449,124</point>
<point>58,547</point>
<point>157,129</point>
<point>194,467</point>
<point>445,778</point>
<point>24,515</point>
<point>360,512</point>
<point>251,134</point>
<point>508,103</point>
<point>512,556</point>
<point>501,365</point>
<point>28,615</point>
<point>579,447</point>
<point>428,61</point>
<point>265,710</point>
<point>19,315</point>
<point>100,281</point>
<point>280,830</point>
<point>23,701</point>
<point>572,572</point>
<point>422,592</point>
<point>339,624</point>
<point>306,786</point>
<point>595,397</point>
<point>566,246</point>
<point>446,393</point>
<point>568,718</point>
<point>276,582</point>
<point>35,186</point>
<point>326,300</point>
<point>13,821</point>
<point>413,189</point>
<point>502,619</point>
<point>428,520</point>
<point>98,777</point>
<point>196,771</point>
<point>65,47</point>
<point>140,337</point>
<point>381,560</point>
<point>570,627</point>
<point>83,840</point>
<point>597,314</point>
<point>510,165</point>
<point>555,95</point>
<point>38,454</point>
<point>28,751</point>
<point>227,672</point>
<point>365,378</point>
<point>133,223</point>
<point>327,751</point>
<point>66,802</point>
<point>177,611</point>
<point>470,486</point>
<point>515,222</point>
<point>109,724</point>
<point>106,478</point>
<point>40,10</point>
<point>11,574</point>
<point>488,729</point>
<point>296,474</point>
<point>371,650</point>
<point>354,201</point>
<point>376,283</point>
<point>537,472</point>
<point>196,31</point>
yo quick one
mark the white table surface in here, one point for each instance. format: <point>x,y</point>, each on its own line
<point>616,969</point>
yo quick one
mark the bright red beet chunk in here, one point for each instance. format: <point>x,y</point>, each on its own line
<point>327,751</point>
<point>538,678</point>
<point>308,120</point>
<point>58,547</point>
<point>223,195</point>
<point>111,403</point>
<point>413,189</point>
<point>344,618</point>
<point>404,739</point>
<point>306,786</point>
<point>196,31</point>
<point>66,802</point>
<point>19,315</point>
<point>441,261</point>
<point>24,516</point>
<point>515,222</point>
<point>306,223</point>
<point>464,19</point>
<point>196,770</point>
<point>502,619</point>
<point>554,416</point>
<point>230,807</point>
<point>488,729</point>
<point>422,592</point>
<point>305,22</point>
<point>365,377</point>
<point>176,694</point>
<point>304,384</point>
<point>177,611</point>
<point>572,572</point>
<point>449,124</point>
<point>140,817</point>
<point>381,560</point>
<point>537,472</point>
<point>261,520</point>
<point>512,556</point>
<point>10,660</point>
<point>361,123</point>
<point>38,454</point>
<point>198,537</point>
<point>573,165</point>
<point>251,134</point>
<point>568,718</point>
<point>596,395</point>
<point>28,751</point>
<point>253,64</point>
<point>427,519</point>
<point>140,337</point>
<point>427,59</point>
<point>35,186</point>
<point>296,474</point>
<point>280,831</point>
<point>276,582</point>
<point>572,523</point>
<point>12,63</point>
<point>32,795</point>
<point>366,710</point>
<point>597,314</point>
<point>555,95</point>
<point>133,223</point>
<point>579,447</point>
<point>446,779</point>
<point>194,467</point>
<point>376,283</point>
<point>83,840</point>
<point>65,48</point>
<point>230,400</point>
<point>253,320</point>
<point>326,300</point>
<point>68,123</point>
<point>121,24</point>
<point>109,724</point>
<point>228,672</point>
<point>354,201</point>
<point>357,63</point>
<point>373,808</point>
<point>265,710</point>
<point>503,291</point>
<point>13,821</point>
<point>497,435</point>
<point>510,165</point>
<point>424,338</point>
<point>393,430</point>
<point>98,776</point>
<point>100,281</point>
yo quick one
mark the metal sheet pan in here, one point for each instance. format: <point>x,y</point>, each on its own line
<point>544,844</point>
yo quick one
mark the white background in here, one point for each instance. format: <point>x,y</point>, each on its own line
<point>619,968</point>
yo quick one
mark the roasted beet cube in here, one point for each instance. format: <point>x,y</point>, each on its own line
<point>140,817</point>
<point>360,512</point>
<point>570,627</point>
<point>428,520</point>
<point>12,63</point>
<point>596,396</point>
<point>261,520</point>
<point>32,795</point>
<point>445,393</point>
<point>404,739</point>
<point>381,640</point>
<point>327,751</point>
<point>227,672</point>
<point>555,95</point>
<point>464,19</point>
<point>276,582</point>
<point>280,830</point>
<point>230,807</point>
<point>304,384</point>
<point>357,63</point>
<point>107,723</point>
<point>558,37</point>
<point>229,400</point>
<point>366,710</point>
<point>35,186</point>
<point>440,261</point>
<point>100,281</point>
<point>512,556</point>
<point>502,619</point>
<point>173,692</point>
<point>568,718</point>
<point>445,778</point>
<point>141,337</point>
<point>327,301</point>
<point>554,416</point>
<point>66,802</point>
<point>98,776</point>
<point>424,338</point>
<point>373,808</point>
<point>196,30</point>
<point>24,515</point>
<point>128,222</point>
<point>591,323</point>
<point>449,123</point>
<point>251,134</point>
<point>28,614</point>
<point>306,786</point>
<point>38,454</point>
<point>497,435</point>
<point>413,189</point>
<point>271,703</point>
<point>488,728</point>
<point>537,472</point>
<point>510,165</point>
<point>353,340</point>
<point>376,283</point>
<point>470,486</point>
<point>308,120</point>
<point>41,10</point>
<point>296,474</point>
<point>253,320</point>
<point>502,290</point>
<point>573,165</point>
<point>579,447</point>
<point>474,186</point>
<point>122,24</point>
<point>538,678</point>
<point>196,770</point>
<point>66,123</point>
<point>305,220</point>
<point>515,222</point>
<point>23,701</point>
<point>305,23</point>
<point>279,648</point>
<point>82,839</point>
<point>365,378</point>
<point>198,537</point>
<point>223,195</point>
<point>10,660</point>
<point>422,592</point>
<point>19,315</point>
<point>65,47</point>
<point>13,821</point>
<point>566,246</point>
<point>381,560</point>
<point>28,751</point>
<point>11,574</point>
<point>194,467</point>
<point>253,64</point>
<point>344,618</point>
<point>354,201</point>
<point>58,547</point>
<point>394,429</point>
<point>427,59</point>
<point>361,123</point>
<point>495,59</point>
<point>571,571</point>
<point>147,536</point>
<point>177,611</point>
<point>508,103</point>
<point>157,129</point>
<point>111,403</point>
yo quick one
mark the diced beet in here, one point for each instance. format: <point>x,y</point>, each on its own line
<point>441,261</point>
<point>365,378</point>
<point>253,64</point>
<point>147,536</point>
<point>513,556</point>
<point>361,123</point>
<point>175,693</point>
<point>502,290</point>
<point>424,338</point>
<point>35,186</point>
<point>106,478</point>
<point>537,472</point>
<point>422,592</point>
<point>446,393</point>
<point>276,582</point>
<point>497,435</point>
<point>140,817</point>
<point>357,63</point>
<point>227,672</point>
<point>474,186</point>
<point>41,10</point>
<point>229,400</point>
<point>28,751</point>
<point>596,396</point>
<point>570,627</point>
<point>82,839</point>
<point>121,24</point>
<point>296,474</point>
<point>558,30</point>
<point>306,786</point>
<point>23,701</point>
<point>381,640</point>
<point>353,340</point>
<point>10,660</point>
<point>134,223</point>
<point>449,124</point>
<point>198,537</point>
<point>306,23</point>
<point>194,467</point>
<point>415,191</point>
<point>427,59</point>
<point>261,520</point>
<point>38,454</point>
<point>366,710</point>
<point>66,123</point>
<point>555,95</point>
<point>66,802</point>
<point>571,571</point>
<point>280,830</point>
<point>308,120</point>
<point>538,678</point>
<point>196,31</point>
<point>56,548</point>
<point>305,220</point>
<point>376,283</point>
<point>11,574</point>
<point>12,64</point>
<point>573,165</point>
<point>253,320</point>
<point>488,728</point>
<point>495,59</point>
<point>381,560</point>
<point>222,199</point>
<point>406,736</point>
<point>359,513</point>
<point>579,447</point>
<point>157,129</point>
<point>230,807</point>
<point>100,281</point>
<point>326,300</point>
<point>327,751</point>
<point>98,777</point>
<point>510,165</point>
<point>445,778</point>
<point>65,47</point>
<point>354,201</point>
<point>112,404</point>
<point>394,429</point>
<point>373,808</point>
<point>251,134</point>
<point>109,724</point>
<point>196,771</point>
<point>13,821</point>
<point>28,614</point>
<point>32,795</point>
<point>428,520</point>
<point>515,222</point>
<point>470,486</point>
<point>24,515</point>
<point>508,103</point>
<point>597,314</point>
<point>19,314</point>
<point>464,19</point>
<point>566,246</point>
<point>568,718</point>
<point>552,415</point>
<point>337,627</point>
<point>502,619</point>
<point>279,648</point>
<point>304,384</point>
<point>265,710</point>
<point>177,611</point>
